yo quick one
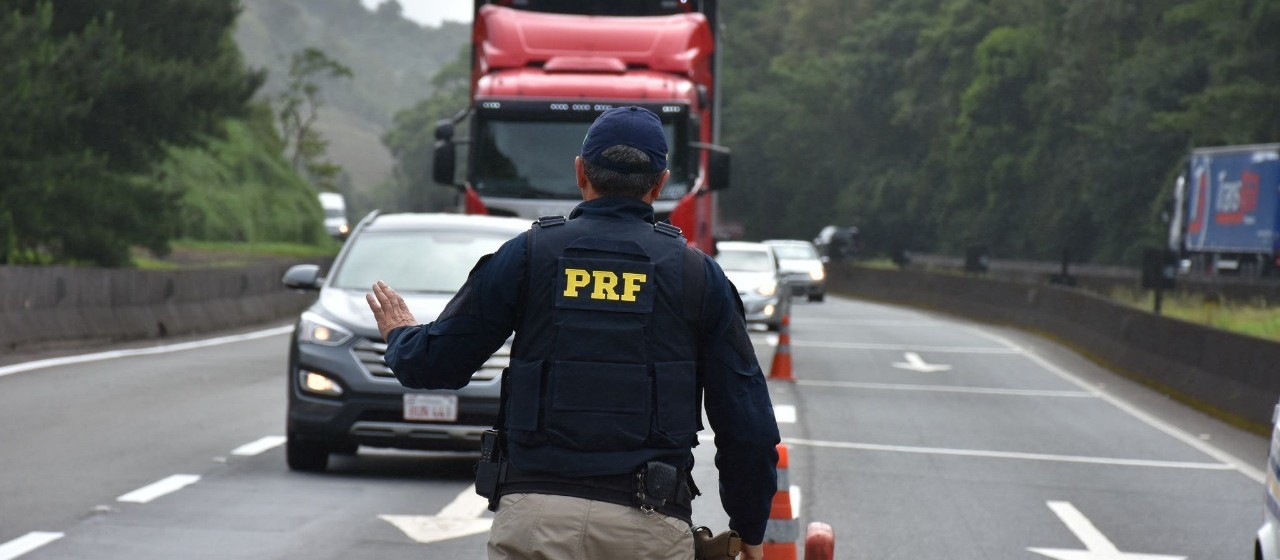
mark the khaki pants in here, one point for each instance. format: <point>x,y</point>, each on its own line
<point>546,527</point>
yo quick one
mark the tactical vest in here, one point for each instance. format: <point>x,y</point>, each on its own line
<point>603,372</point>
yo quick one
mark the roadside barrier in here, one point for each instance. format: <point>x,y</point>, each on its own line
<point>783,528</point>
<point>781,367</point>
<point>819,542</point>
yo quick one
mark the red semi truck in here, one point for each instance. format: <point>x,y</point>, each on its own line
<point>542,70</point>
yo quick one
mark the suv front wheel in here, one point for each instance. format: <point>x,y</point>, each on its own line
<point>304,455</point>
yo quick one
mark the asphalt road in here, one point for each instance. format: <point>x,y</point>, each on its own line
<point>1015,445</point>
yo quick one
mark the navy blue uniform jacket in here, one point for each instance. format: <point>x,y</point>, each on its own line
<point>444,354</point>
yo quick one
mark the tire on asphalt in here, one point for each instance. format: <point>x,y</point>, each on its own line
<point>304,455</point>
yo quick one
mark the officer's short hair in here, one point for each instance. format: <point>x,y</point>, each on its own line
<point>612,183</point>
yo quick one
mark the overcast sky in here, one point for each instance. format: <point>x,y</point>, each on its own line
<point>432,12</point>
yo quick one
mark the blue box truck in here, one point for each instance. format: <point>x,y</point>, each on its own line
<point>1227,218</point>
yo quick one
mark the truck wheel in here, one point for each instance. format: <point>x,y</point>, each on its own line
<point>816,297</point>
<point>306,456</point>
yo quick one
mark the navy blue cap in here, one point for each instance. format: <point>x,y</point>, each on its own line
<point>633,126</point>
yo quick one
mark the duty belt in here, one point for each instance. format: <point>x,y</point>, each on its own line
<point>618,489</point>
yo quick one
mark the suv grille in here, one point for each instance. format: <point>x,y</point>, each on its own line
<point>371,355</point>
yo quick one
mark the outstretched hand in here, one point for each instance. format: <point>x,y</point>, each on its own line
<point>389,309</point>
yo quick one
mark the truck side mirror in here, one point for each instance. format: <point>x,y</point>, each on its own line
<point>445,154</point>
<point>718,167</point>
<point>442,162</point>
<point>444,130</point>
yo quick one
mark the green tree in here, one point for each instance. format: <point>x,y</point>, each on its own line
<point>298,108</point>
<point>94,92</point>
<point>412,139</point>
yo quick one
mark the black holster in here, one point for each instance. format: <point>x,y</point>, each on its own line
<point>491,470</point>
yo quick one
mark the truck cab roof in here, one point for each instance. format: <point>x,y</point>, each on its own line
<point>552,52</point>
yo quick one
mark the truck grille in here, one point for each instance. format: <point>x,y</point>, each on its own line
<point>372,356</point>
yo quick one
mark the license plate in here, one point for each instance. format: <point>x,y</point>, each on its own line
<point>430,408</point>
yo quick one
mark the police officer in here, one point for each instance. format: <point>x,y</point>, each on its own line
<point>621,331</point>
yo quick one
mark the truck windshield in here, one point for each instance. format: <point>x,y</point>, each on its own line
<point>534,159</point>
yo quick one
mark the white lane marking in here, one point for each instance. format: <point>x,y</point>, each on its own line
<point>784,413</point>
<point>915,363</point>
<point>460,518</point>
<point>1097,545</point>
<point>874,322</point>
<point>1239,464</point>
<point>113,354</point>
<point>256,447</point>
<point>795,501</point>
<point>1013,455</point>
<point>159,488</point>
<point>947,389</point>
<point>903,347</point>
<point>26,543</point>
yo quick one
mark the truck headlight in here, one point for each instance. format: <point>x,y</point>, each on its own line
<point>317,330</point>
<point>817,273</point>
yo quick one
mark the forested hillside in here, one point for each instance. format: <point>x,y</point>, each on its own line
<point>96,97</point>
<point>1024,125</point>
<point>392,59</point>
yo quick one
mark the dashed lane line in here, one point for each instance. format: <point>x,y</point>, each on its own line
<point>1013,455</point>
<point>256,447</point>
<point>1235,462</point>
<point>904,347</point>
<point>784,413</point>
<point>26,543</point>
<point>945,389</point>
<point>114,354</point>
<point>160,488</point>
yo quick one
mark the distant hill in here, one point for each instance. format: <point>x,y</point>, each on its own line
<point>393,60</point>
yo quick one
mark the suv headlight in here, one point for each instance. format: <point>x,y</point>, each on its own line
<point>767,289</point>
<point>817,273</point>
<point>317,330</point>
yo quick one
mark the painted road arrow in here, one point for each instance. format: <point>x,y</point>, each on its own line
<point>461,518</point>
<point>916,363</point>
<point>1097,545</point>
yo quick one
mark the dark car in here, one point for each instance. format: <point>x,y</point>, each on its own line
<point>341,393</point>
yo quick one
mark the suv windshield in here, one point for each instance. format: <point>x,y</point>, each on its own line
<point>414,261</point>
<point>746,261</point>
<point>534,159</point>
<point>796,252</point>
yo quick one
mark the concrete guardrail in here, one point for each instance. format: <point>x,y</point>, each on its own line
<point>61,307</point>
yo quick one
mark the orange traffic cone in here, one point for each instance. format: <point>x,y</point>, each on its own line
<point>781,368</point>
<point>783,529</point>
<point>820,542</point>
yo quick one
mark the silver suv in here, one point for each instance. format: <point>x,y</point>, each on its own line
<point>341,393</point>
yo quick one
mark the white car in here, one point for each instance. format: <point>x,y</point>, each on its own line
<point>753,269</point>
<point>801,266</point>
<point>1265,547</point>
<point>335,214</point>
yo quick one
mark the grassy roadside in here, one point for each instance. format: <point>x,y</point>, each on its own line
<point>1256,318</point>
<point>1253,319</point>
<point>189,253</point>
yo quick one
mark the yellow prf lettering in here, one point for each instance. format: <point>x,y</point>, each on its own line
<point>631,284</point>
<point>605,283</point>
<point>575,278</point>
